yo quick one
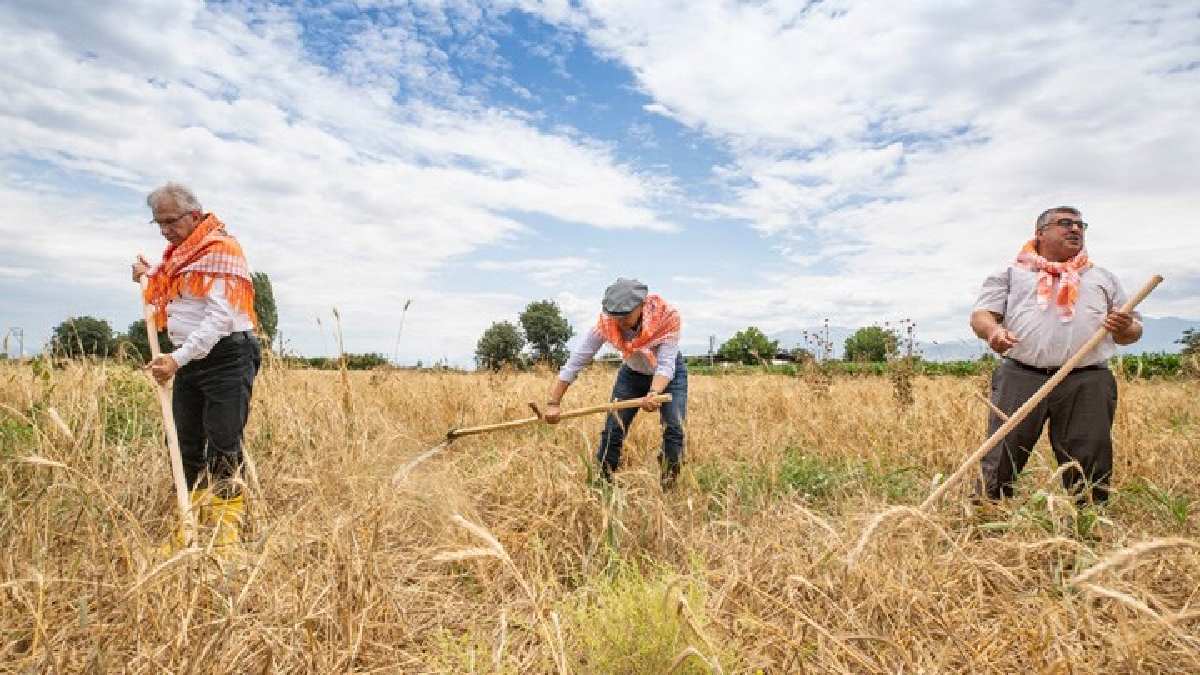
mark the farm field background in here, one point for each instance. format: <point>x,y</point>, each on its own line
<point>500,554</point>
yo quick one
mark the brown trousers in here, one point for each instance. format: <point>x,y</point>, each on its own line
<point>1080,412</point>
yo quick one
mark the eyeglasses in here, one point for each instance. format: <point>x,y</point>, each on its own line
<point>168,223</point>
<point>1067,223</point>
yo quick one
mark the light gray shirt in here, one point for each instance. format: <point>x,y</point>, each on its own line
<point>1045,340</point>
<point>664,354</point>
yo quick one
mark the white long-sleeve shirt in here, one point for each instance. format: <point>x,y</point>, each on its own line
<point>664,354</point>
<point>195,324</point>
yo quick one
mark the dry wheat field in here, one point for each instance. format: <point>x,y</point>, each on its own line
<point>791,544</point>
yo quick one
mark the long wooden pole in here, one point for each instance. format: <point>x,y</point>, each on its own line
<point>1034,400</point>
<point>186,519</point>
<point>580,412</point>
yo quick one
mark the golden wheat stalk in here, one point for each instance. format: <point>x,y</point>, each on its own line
<point>42,461</point>
<point>158,569</point>
<point>58,422</point>
<point>1167,622</point>
<point>495,549</point>
<point>344,576</point>
<point>402,474</point>
<point>1130,555</point>
<point>894,513</point>
<point>691,653</point>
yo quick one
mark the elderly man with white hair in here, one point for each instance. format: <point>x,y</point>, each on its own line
<point>203,294</point>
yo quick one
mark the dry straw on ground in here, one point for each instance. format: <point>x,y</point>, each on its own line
<point>776,553</point>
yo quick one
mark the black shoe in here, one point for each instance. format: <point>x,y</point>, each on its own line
<point>669,477</point>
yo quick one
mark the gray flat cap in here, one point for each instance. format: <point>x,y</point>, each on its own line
<point>623,296</point>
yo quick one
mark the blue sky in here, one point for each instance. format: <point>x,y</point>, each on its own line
<point>762,163</point>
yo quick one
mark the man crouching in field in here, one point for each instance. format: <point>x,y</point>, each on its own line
<point>645,329</point>
<point>203,293</point>
<point>1038,312</point>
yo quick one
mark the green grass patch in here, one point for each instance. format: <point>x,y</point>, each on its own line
<point>1053,515</point>
<point>1173,506</point>
<point>129,407</point>
<point>631,623</point>
<point>751,485</point>
<point>15,437</point>
<point>622,622</point>
<point>468,653</point>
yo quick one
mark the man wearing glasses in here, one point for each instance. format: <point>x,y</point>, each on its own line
<point>1037,312</point>
<point>203,295</point>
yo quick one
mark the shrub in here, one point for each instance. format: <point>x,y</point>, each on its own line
<point>629,624</point>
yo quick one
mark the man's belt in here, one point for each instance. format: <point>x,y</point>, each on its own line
<point>239,337</point>
<point>1050,371</point>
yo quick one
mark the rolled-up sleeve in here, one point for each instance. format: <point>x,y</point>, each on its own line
<point>994,295</point>
<point>217,323</point>
<point>665,355</point>
<point>1119,297</point>
<point>582,356</point>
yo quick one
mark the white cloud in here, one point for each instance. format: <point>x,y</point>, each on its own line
<point>898,152</point>
<point>892,154</point>
<point>344,195</point>
<point>690,280</point>
<point>17,272</point>
<point>542,271</point>
<point>438,325</point>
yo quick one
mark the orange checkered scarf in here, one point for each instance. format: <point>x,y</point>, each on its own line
<point>207,255</point>
<point>1068,275</point>
<point>660,323</point>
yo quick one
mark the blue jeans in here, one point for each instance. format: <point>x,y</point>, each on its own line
<point>632,384</point>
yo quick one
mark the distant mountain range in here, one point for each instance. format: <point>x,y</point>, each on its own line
<point>1159,336</point>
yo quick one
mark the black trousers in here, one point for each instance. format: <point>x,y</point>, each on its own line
<point>1080,411</point>
<point>211,402</point>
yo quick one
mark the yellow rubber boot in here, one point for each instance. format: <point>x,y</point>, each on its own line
<point>226,516</point>
<point>200,499</point>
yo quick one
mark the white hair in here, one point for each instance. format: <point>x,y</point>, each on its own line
<point>182,197</point>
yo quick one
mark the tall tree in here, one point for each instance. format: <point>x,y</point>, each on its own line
<point>83,336</point>
<point>135,337</point>
<point>870,344</point>
<point>264,305</point>
<point>547,331</point>
<point>1190,341</point>
<point>749,346</point>
<point>500,345</point>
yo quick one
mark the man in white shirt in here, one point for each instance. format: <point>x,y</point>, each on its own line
<point>203,293</point>
<point>1037,312</point>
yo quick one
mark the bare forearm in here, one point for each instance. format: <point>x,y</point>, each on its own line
<point>658,384</point>
<point>557,391</point>
<point>984,323</point>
